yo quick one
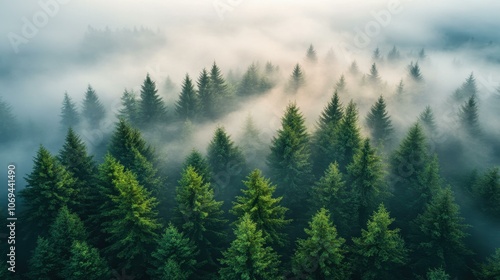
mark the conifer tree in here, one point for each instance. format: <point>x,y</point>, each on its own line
<point>414,72</point>
<point>187,107</point>
<point>490,269</point>
<point>467,90</point>
<point>173,250</point>
<point>251,83</point>
<point>374,77</point>
<point>341,85</point>
<point>379,122</point>
<point>227,164</point>
<point>400,89</point>
<point>288,162</point>
<point>207,101</point>
<point>85,263</point>
<point>152,110</point>
<point>7,121</point>
<point>131,223</point>
<point>264,209</point>
<point>380,251</point>
<point>421,54</point>
<point>251,144</point>
<point>311,55</point>
<point>321,255</point>
<point>469,117</point>
<point>297,79</point>
<point>427,120</point>
<point>437,274</point>
<point>487,192</point>
<point>199,164</point>
<point>200,218</point>
<point>354,69</point>
<point>376,56</point>
<point>220,93</point>
<point>93,111</point>
<point>130,110</point>
<point>49,187</point>
<point>69,113</point>
<point>249,257</point>
<point>349,137</point>
<point>393,55</point>
<point>441,233</point>
<point>43,262</point>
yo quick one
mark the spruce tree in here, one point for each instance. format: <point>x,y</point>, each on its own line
<point>85,263</point>
<point>321,255</point>
<point>249,257</point>
<point>467,90</point>
<point>400,89</point>
<point>199,164</point>
<point>43,262</point>
<point>219,91</point>
<point>354,69</point>
<point>376,56</point>
<point>207,100</point>
<point>437,274</point>
<point>341,85</point>
<point>152,110</point>
<point>289,161</point>
<point>227,164</point>
<point>311,55</point>
<point>188,105</point>
<point>173,250</point>
<point>130,110</point>
<point>49,187</point>
<point>200,218</point>
<point>393,55</point>
<point>373,77</point>
<point>490,269</point>
<point>93,111</point>
<point>379,122</point>
<point>380,251</point>
<point>297,79</point>
<point>325,138</point>
<point>251,83</point>
<point>486,190</point>
<point>427,120</point>
<point>414,72</point>
<point>441,233</point>
<point>252,145</point>
<point>469,117</point>
<point>348,137</point>
<point>69,113</point>
<point>264,209</point>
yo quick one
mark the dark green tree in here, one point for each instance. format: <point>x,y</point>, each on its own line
<point>427,120</point>
<point>227,164</point>
<point>130,110</point>
<point>152,110</point>
<point>188,105</point>
<point>400,89</point>
<point>251,83</point>
<point>487,192</point>
<point>441,233</point>
<point>49,187</point>
<point>207,100</point>
<point>469,117</point>
<point>200,218</point>
<point>289,161</point>
<point>321,255</point>
<point>491,268</point>
<point>437,274</point>
<point>200,165</point>
<point>85,263</point>
<point>69,113</point>
<point>379,122</point>
<point>174,257</point>
<point>43,262</point>
<point>414,72</point>
<point>380,251</point>
<point>297,79</point>
<point>249,257</point>
<point>311,55</point>
<point>264,209</point>
<point>252,145</point>
<point>219,91</point>
<point>374,77</point>
<point>93,111</point>
<point>348,137</point>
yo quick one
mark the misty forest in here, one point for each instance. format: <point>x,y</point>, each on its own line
<point>303,160</point>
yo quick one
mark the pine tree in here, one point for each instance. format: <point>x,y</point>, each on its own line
<point>321,255</point>
<point>400,89</point>
<point>374,77</point>
<point>252,145</point>
<point>130,110</point>
<point>341,85</point>
<point>437,274</point>
<point>227,164</point>
<point>7,121</point>
<point>174,250</point>
<point>248,257</point>
<point>467,90</point>
<point>49,187</point>
<point>348,137</point>
<point>85,263</point>
<point>297,79</point>
<point>394,55</point>
<point>469,117</point>
<point>366,179</point>
<point>376,56</point>
<point>486,190</point>
<point>414,72</point>
<point>187,107</point>
<point>491,268</point>
<point>379,122</point>
<point>311,55</point>
<point>421,54</point>
<point>200,218</point>
<point>152,110</point>
<point>199,164</point>
<point>441,233</point>
<point>69,113</point>
<point>93,111</point>
<point>220,93</point>
<point>131,223</point>
<point>264,210</point>
<point>74,157</point>
<point>207,101</point>
<point>354,69</point>
<point>251,83</point>
<point>289,163</point>
<point>380,251</point>
<point>43,262</point>
<point>427,120</point>
<point>325,139</point>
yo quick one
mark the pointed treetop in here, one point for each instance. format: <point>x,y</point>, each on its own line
<point>311,54</point>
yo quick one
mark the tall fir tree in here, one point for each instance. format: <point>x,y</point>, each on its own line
<point>252,144</point>
<point>200,218</point>
<point>264,209</point>
<point>173,250</point>
<point>249,257</point>
<point>428,121</point>
<point>152,110</point>
<point>469,117</point>
<point>85,262</point>
<point>93,111</point>
<point>43,262</point>
<point>467,89</point>
<point>219,91</point>
<point>251,83</point>
<point>49,187</point>
<point>374,77</point>
<point>289,160</point>
<point>200,165</point>
<point>490,269</point>
<point>376,55</point>
<point>379,123</point>
<point>393,55</point>
<point>380,251</point>
<point>130,110</point>
<point>321,254</point>
<point>341,85</point>
<point>441,233</point>
<point>207,100</point>
<point>348,137</point>
<point>354,69</point>
<point>297,79</point>
<point>486,190</point>
<point>414,73</point>
<point>69,113</point>
<point>400,88</point>
<point>188,105</point>
<point>311,55</point>
<point>227,164</point>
